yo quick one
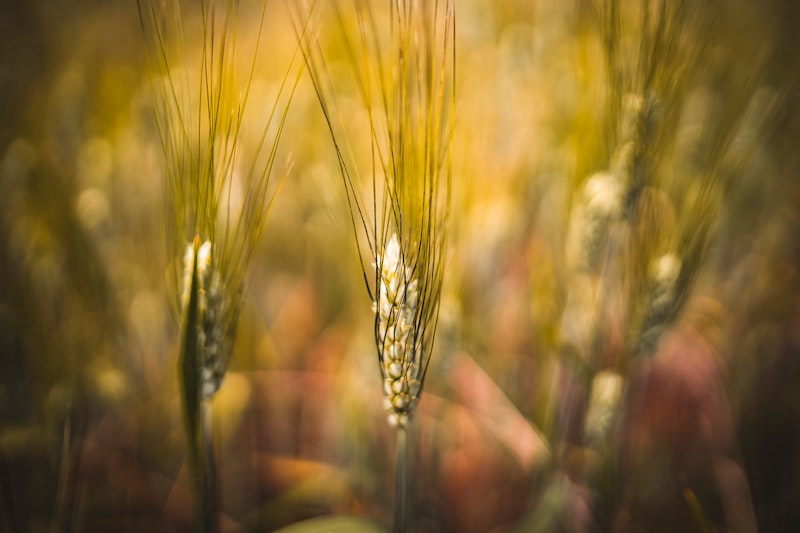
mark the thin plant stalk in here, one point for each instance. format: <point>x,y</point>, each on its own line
<point>210,489</point>
<point>398,523</point>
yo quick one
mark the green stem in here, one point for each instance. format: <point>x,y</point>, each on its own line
<point>398,524</point>
<point>209,495</point>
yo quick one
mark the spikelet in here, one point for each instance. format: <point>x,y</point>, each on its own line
<point>661,297</point>
<point>604,401</point>
<point>396,311</point>
<point>599,205</point>
<point>215,330</point>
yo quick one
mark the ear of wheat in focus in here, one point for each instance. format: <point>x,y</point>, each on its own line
<point>405,78</point>
<point>396,308</point>
<point>403,62</point>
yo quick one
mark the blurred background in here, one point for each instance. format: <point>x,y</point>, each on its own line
<point>619,337</point>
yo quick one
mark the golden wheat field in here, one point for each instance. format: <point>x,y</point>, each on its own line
<point>399,265</point>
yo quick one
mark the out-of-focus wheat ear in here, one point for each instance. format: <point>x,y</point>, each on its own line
<point>605,398</point>
<point>662,298</point>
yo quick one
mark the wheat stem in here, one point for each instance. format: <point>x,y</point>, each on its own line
<point>209,492</point>
<point>398,523</point>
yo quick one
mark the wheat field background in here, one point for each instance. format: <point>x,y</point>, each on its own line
<point>639,375</point>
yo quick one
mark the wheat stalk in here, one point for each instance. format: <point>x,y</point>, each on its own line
<point>407,89</point>
<point>200,114</point>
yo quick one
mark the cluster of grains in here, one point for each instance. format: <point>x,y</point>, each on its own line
<point>602,201</point>
<point>213,340</point>
<point>604,402</point>
<point>395,310</point>
<point>662,285</point>
<point>597,209</point>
